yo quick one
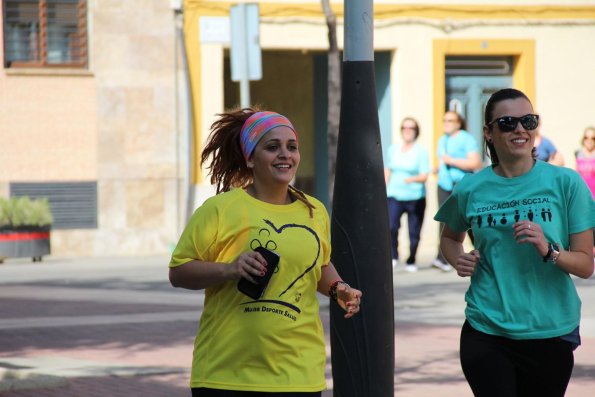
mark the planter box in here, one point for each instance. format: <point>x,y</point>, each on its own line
<point>25,241</point>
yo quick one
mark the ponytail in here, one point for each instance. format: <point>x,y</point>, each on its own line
<point>227,165</point>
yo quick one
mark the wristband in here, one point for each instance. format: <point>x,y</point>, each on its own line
<point>332,291</point>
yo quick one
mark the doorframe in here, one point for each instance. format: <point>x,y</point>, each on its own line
<point>523,72</point>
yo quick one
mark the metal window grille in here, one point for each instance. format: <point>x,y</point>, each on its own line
<point>73,204</point>
<point>478,66</point>
<point>45,33</point>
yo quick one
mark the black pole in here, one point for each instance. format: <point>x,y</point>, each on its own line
<point>362,347</point>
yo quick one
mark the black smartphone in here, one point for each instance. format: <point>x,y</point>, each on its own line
<point>255,291</point>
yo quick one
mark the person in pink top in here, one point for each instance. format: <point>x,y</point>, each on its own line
<point>585,158</point>
<point>585,163</point>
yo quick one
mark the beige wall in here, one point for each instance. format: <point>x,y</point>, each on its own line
<point>113,123</point>
<point>566,85</point>
<point>133,60</point>
<point>48,127</point>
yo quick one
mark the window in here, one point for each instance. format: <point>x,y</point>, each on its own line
<point>45,33</point>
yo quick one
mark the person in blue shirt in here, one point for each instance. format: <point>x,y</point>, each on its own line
<point>407,169</point>
<point>532,225</point>
<point>458,155</point>
<point>546,150</point>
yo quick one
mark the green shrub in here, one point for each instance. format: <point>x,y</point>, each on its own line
<point>23,211</point>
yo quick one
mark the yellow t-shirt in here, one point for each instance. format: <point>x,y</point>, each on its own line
<point>275,344</point>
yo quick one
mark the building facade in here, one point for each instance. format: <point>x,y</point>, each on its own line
<point>114,134</point>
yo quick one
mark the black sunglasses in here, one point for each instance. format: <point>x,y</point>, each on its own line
<point>509,123</point>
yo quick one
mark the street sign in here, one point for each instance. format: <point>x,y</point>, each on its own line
<point>246,60</point>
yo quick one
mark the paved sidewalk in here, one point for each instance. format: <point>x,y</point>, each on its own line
<point>114,327</point>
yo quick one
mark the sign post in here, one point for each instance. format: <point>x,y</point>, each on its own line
<point>246,59</point>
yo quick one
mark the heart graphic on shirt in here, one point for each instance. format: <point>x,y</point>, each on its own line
<point>310,266</point>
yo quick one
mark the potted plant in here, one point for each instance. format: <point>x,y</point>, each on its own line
<point>25,225</point>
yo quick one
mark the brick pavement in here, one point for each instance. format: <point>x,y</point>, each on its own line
<point>138,332</point>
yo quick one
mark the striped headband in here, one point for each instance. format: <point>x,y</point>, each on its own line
<point>257,126</point>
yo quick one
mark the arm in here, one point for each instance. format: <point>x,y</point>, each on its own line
<point>348,298</point>
<point>471,163</point>
<point>578,260</point>
<point>451,245</point>
<point>417,178</point>
<point>386,175</point>
<point>197,274</point>
<point>556,158</point>
<point>423,168</point>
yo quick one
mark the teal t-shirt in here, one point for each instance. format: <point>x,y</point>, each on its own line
<point>513,293</point>
<point>403,165</point>
<point>457,146</point>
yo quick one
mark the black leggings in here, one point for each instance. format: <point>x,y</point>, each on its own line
<point>495,366</point>
<point>204,392</point>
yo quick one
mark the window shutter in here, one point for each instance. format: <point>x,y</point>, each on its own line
<point>45,33</point>
<point>73,204</point>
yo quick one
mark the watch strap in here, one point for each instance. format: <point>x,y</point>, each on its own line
<point>550,251</point>
<point>551,248</point>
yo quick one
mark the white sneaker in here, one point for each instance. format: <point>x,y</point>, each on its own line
<point>395,263</point>
<point>411,268</point>
<point>438,264</point>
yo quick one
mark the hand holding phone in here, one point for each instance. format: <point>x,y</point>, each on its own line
<point>255,291</point>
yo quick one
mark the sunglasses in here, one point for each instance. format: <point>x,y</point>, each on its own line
<point>509,123</point>
<point>587,138</point>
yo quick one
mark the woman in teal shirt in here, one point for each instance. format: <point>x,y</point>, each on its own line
<point>458,155</point>
<point>407,170</point>
<point>532,223</point>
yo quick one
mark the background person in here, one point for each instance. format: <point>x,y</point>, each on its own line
<point>585,162</point>
<point>523,311</point>
<point>585,158</point>
<point>458,155</point>
<point>272,346</point>
<point>547,151</point>
<point>407,169</point>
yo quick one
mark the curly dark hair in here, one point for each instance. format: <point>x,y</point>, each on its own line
<point>227,166</point>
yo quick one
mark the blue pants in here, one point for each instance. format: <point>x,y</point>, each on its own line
<point>415,210</point>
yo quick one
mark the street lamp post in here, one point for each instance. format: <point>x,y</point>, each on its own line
<point>362,347</point>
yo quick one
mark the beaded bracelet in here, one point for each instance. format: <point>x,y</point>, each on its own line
<point>332,291</point>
